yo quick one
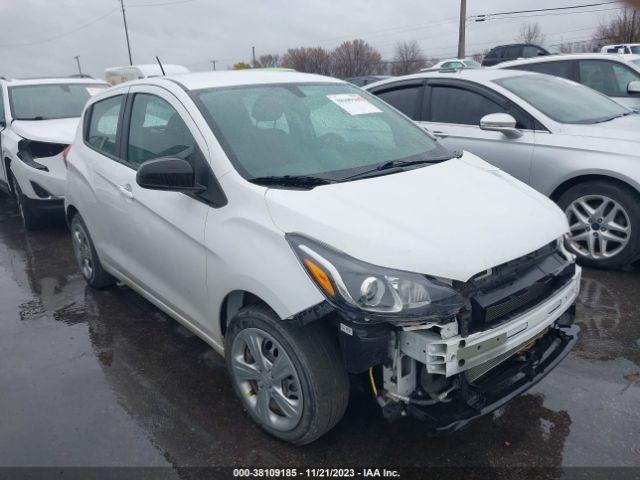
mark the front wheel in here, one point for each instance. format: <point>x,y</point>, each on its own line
<point>290,378</point>
<point>30,220</point>
<point>604,223</point>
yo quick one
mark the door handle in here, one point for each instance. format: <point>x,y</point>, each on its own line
<point>126,190</point>
<point>440,134</point>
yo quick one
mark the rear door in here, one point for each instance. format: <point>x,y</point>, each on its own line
<point>452,110</point>
<point>405,96</point>
<point>106,174</point>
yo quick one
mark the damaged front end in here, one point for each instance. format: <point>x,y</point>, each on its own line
<point>515,327</point>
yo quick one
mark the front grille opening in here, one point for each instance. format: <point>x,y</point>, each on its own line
<point>518,286</point>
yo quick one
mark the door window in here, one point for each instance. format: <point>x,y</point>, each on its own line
<point>460,106</point>
<point>557,69</point>
<point>157,130</point>
<point>404,99</point>
<point>103,125</point>
<point>607,77</point>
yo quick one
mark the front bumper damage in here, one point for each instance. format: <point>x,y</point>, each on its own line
<point>499,386</point>
<point>462,378</point>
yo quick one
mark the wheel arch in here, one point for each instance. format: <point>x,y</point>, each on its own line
<point>69,213</point>
<point>7,164</point>
<point>576,180</point>
<point>234,301</point>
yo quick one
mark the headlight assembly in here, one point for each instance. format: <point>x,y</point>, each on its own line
<point>376,292</point>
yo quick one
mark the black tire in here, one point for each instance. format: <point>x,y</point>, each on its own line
<point>30,220</point>
<point>97,278</point>
<point>629,200</point>
<point>316,358</point>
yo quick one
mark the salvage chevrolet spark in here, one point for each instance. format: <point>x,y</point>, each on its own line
<point>38,119</point>
<point>306,231</point>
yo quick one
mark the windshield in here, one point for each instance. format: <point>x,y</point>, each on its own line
<point>325,130</point>
<point>562,100</point>
<point>49,101</point>
<point>472,64</point>
<point>635,49</point>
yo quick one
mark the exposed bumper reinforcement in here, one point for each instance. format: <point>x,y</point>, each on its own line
<point>511,378</point>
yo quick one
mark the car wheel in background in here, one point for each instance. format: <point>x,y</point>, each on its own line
<point>290,378</point>
<point>86,256</point>
<point>604,223</point>
<point>29,219</point>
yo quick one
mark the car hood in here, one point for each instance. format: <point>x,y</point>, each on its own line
<point>61,130</point>
<point>623,128</point>
<point>450,220</point>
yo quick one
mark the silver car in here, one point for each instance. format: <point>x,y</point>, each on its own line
<point>617,76</point>
<point>568,141</point>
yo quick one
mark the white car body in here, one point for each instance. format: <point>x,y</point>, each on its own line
<point>116,75</point>
<point>550,156</point>
<point>53,132</point>
<point>201,263</point>
<point>622,48</point>
<point>571,67</point>
<point>453,63</point>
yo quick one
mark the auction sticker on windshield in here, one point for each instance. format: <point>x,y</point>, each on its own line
<point>353,104</point>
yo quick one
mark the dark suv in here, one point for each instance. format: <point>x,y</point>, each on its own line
<point>512,52</point>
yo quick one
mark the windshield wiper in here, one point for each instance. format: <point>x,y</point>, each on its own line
<point>300,181</point>
<point>632,112</point>
<point>29,119</point>
<point>398,165</point>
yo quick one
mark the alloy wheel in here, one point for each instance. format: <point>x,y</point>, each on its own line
<point>82,251</point>
<point>267,379</point>
<point>599,227</point>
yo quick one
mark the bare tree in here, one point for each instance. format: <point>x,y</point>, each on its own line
<point>271,60</point>
<point>308,59</point>
<point>625,28</point>
<point>531,33</point>
<point>408,58</point>
<point>356,58</point>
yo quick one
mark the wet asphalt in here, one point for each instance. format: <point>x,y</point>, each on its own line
<point>102,378</point>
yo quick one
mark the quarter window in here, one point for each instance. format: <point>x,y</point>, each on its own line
<point>404,99</point>
<point>607,77</point>
<point>103,125</point>
<point>157,130</point>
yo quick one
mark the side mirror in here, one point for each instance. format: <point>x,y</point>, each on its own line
<point>167,173</point>
<point>500,122</point>
<point>634,88</point>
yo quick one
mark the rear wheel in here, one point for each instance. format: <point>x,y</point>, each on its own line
<point>29,219</point>
<point>604,223</point>
<point>86,256</point>
<point>290,378</point>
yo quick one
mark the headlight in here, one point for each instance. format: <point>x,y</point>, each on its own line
<point>361,288</point>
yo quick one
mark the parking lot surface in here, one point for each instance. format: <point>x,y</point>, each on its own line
<point>102,378</point>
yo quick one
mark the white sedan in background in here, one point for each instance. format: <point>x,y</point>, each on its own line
<point>567,141</point>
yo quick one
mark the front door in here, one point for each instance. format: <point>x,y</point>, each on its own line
<point>166,229</point>
<point>452,112</point>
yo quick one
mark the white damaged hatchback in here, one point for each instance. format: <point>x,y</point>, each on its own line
<point>307,231</point>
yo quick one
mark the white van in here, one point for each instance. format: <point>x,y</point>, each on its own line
<point>116,75</point>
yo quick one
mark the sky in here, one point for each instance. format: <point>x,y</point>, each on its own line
<point>42,37</point>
